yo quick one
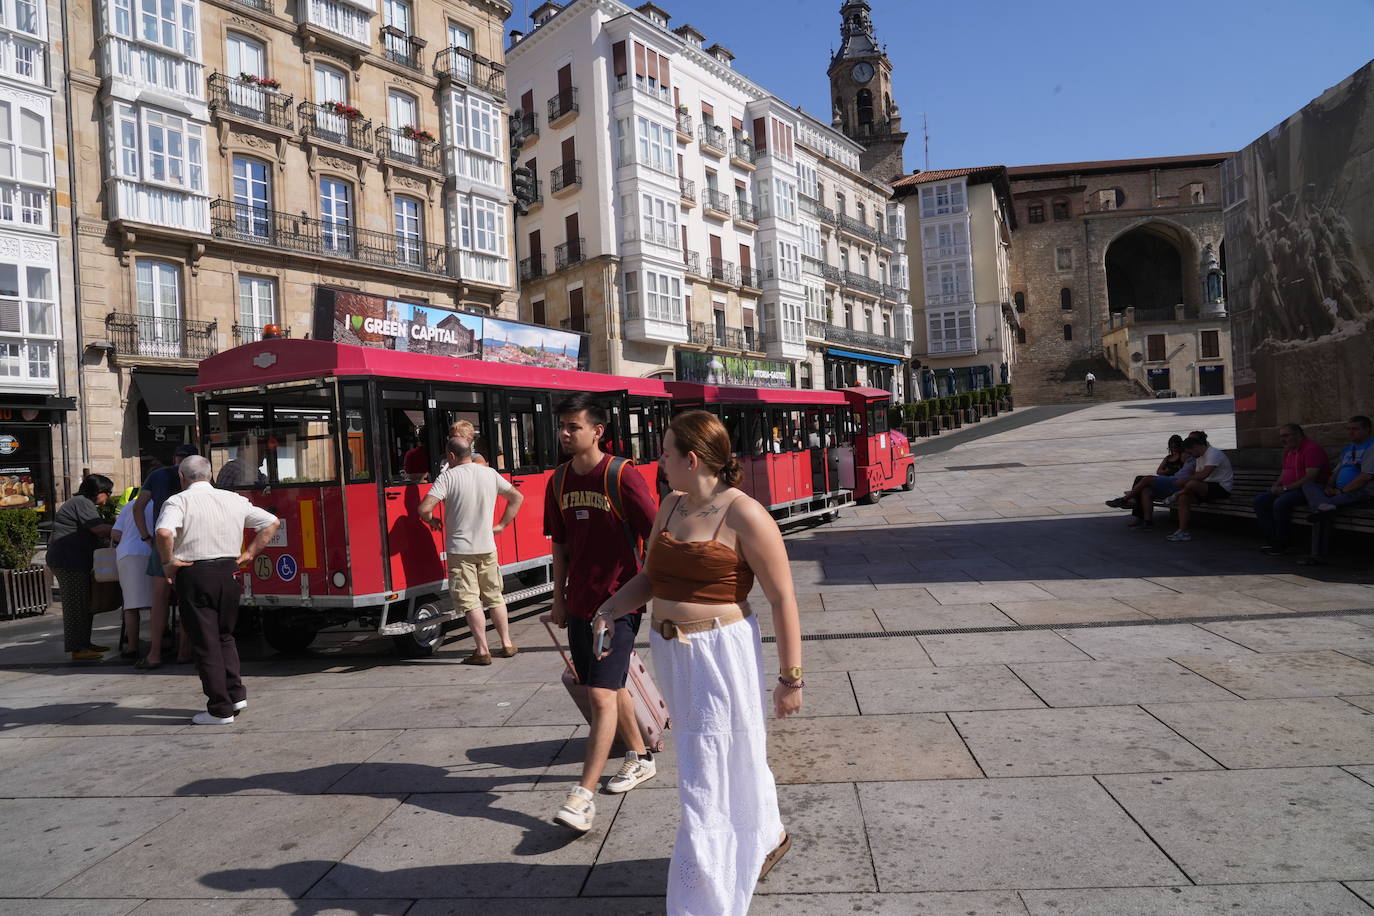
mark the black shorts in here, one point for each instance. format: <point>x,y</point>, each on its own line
<point>1215,491</point>
<point>609,672</point>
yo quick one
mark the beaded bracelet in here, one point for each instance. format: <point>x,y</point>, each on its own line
<point>797,686</point>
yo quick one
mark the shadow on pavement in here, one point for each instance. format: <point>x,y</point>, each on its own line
<point>110,713</point>
<point>1184,407</point>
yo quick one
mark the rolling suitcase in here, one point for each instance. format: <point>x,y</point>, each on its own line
<point>650,711</point>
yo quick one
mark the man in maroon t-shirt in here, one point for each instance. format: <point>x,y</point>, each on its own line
<point>593,556</point>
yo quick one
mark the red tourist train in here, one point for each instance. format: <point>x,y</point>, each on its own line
<point>341,441</point>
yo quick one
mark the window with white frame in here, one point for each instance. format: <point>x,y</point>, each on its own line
<point>653,145</point>
<point>481,228</point>
<point>947,282</point>
<point>789,261</point>
<point>257,301</point>
<point>157,285</point>
<point>793,321</point>
<point>343,19</point>
<point>167,23</point>
<point>475,126</point>
<point>945,240</point>
<point>25,162</point>
<point>23,16</point>
<point>785,199</point>
<point>409,219</point>
<point>159,147</point>
<point>896,221</point>
<point>658,221</point>
<point>811,241</point>
<point>950,331</point>
<point>663,297</point>
<point>807,183</point>
<point>815,302</point>
<point>21,56</point>
<point>28,323</point>
<point>940,199</point>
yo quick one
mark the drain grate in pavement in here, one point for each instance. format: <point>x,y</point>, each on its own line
<point>1085,625</point>
<point>984,467</point>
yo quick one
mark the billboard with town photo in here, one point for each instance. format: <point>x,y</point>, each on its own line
<point>364,320</point>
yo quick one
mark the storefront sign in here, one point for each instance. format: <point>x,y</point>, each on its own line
<point>715,369</point>
<point>8,444</point>
<point>373,321</point>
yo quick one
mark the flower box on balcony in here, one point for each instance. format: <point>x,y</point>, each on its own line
<point>410,132</point>
<point>265,82</point>
<point>344,111</point>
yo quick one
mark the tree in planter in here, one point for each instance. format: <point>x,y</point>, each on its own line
<point>18,538</point>
<point>23,586</point>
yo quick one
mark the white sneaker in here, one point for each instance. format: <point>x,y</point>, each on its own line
<point>577,810</point>
<point>632,772</point>
<point>241,704</point>
<point>1171,499</point>
<point>204,718</point>
<point>1180,536</point>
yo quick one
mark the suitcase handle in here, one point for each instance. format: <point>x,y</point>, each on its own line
<point>547,621</point>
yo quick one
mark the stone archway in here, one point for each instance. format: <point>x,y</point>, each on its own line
<point>1152,267</point>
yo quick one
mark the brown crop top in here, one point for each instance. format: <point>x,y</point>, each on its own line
<point>702,572</point>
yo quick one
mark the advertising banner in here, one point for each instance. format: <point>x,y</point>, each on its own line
<point>746,371</point>
<point>362,320</point>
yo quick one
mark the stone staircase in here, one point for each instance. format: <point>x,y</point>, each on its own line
<point>1064,384</point>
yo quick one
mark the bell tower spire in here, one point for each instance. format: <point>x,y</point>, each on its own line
<point>861,93</point>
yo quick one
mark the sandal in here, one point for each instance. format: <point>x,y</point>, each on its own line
<point>144,665</point>
<point>775,856</point>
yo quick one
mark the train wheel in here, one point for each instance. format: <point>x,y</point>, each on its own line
<point>910,477</point>
<point>869,499</point>
<point>287,635</point>
<point>429,632</point>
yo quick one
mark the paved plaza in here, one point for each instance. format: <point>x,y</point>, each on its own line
<point>1015,705</point>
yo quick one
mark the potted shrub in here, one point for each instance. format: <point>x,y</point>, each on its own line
<point>265,82</point>
<point>24,586</point>
<point>344,110</point>
<point>923,420</point>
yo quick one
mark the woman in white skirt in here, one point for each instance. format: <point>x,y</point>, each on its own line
<point>131,557</point>
<point>708,543</point>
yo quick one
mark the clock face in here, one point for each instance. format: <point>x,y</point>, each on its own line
<point>862,72</point>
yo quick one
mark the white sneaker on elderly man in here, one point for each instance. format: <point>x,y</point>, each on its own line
<point>204,718</point>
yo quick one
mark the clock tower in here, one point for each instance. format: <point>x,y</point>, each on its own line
<point>861,94</point>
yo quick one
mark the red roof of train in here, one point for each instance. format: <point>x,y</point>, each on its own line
<point>268,362</point>
<point>717,394</point>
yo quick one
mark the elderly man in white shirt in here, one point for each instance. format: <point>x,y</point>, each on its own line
<point>200,542</point>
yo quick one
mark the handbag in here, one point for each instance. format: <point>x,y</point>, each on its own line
<point>104,565</point>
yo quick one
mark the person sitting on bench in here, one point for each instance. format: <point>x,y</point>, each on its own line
<point>1304,463</point>
<point>1211,481</point>
<point>1176,466</point>
<point>1351,484</point>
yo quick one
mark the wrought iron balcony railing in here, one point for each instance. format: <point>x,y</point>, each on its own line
<point>569,253</point>
<point>264,6</point>
<point>742,150</point>
<point>852,225</point>
<point>746,211</point>
<point>161,338</point>
<point>706,334</point>
<point>893,293</point>
<point>864,339</point>
<point>815,209</point>
<point>692,261</point>
<point>684,123</point>
<point>564,103</point>
<point>576,323</point>
<point>325,122</point>
<point>659,92</point>
<point>240,98</point>
<point>565,176</point>
<point>531,268</point>
<point>833,274</point>
<point>395,146</point>
<point>722,271</point>
<point>460,65</point>
<point>719,201</point>
<point>712,138</point>
<point>524,126</point>
<point>861,283</point>
<point>890,242</point>
<point>751,277</point>
<point>248,333</point>
<point>688,189</point>
<point>290,232</point>
<point>403,49</point>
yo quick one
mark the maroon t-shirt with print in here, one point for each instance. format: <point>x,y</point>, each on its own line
<point>600,560</point>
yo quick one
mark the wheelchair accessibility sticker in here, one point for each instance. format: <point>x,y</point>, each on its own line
<point>286,567</point>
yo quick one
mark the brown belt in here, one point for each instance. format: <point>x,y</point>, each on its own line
<point>671,629</point>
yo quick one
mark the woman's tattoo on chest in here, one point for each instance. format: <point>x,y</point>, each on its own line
<point>704,513</point>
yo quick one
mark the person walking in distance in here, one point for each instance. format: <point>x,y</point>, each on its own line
<point>157,488</point>
<point>1088,380</point>
<point>468,492</point>
<point>708,543</point>
<point>594,554</point>
<point>200,544</point>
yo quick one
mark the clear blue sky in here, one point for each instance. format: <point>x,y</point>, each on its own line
<point>1018,83</point>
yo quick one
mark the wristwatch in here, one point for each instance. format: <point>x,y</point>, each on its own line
<point>792,674</point>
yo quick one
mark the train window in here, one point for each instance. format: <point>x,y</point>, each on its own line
<point>794,432</point>
<point>405,442</point>
<point>844,426</point>
<point>877,419</point>
<point>285,437</point>
<point>520,452</point>
<point>734,420</point>
<point>232,432</point>
<point>816,432</point>
<point>357,455</point>
<point>647,423</point>
<point>469,408</point>
<point>760,438</point>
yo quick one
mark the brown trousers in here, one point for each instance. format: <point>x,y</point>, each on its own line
<point>208,598</point>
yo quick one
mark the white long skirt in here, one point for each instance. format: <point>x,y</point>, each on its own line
<point>714,687</point>
<point>134,582</point>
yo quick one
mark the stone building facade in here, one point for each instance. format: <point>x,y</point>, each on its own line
<point>1097,238</point>
<point>236,154</point>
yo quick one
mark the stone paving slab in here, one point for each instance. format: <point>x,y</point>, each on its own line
<point>456,760</point>
<point>280,708</point>
<point>1365,702</point>
<point>999,648</point>
<point>1363,889</point>
<point>1072,742</point>
<point>1110,587</point>
<point>987,593</point>
<point>1004,834</point>
<point>1326,899</point>
<point>897,616</point>
<point>853,654</point>
<point>633,860</point>
<point>47,841</point>
<point>1117,682</point>
<point>920,690</point>
<point>202,852</point>
<point>911,597</point>
<point>1321,731</point>
<point>580,906</point>
<point>1069,610</point>
<point>484,705</point>
<point>273,908</point>
<point>1214,584</point>
<point>35,907</point>
<point>1256,825</point>
<point>1162,641</point>
<point>860,748</point>
<point>1201,604</point>
<point>1315,598</point>
<point>1286,674</point>
<point>109,765</point>
<point>475,844</point>
<point>1309,634</point>
<point>973,903</point>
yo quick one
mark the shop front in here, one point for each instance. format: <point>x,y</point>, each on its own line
<point>847,369</point>
<point>27,469</point>
<point>164,415</point>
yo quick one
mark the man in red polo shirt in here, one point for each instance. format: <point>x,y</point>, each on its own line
<point>593,556</point>
<point>1304,462</point>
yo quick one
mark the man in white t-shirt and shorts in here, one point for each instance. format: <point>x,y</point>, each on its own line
<point>1212,480</point>
<point>468,492</point>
